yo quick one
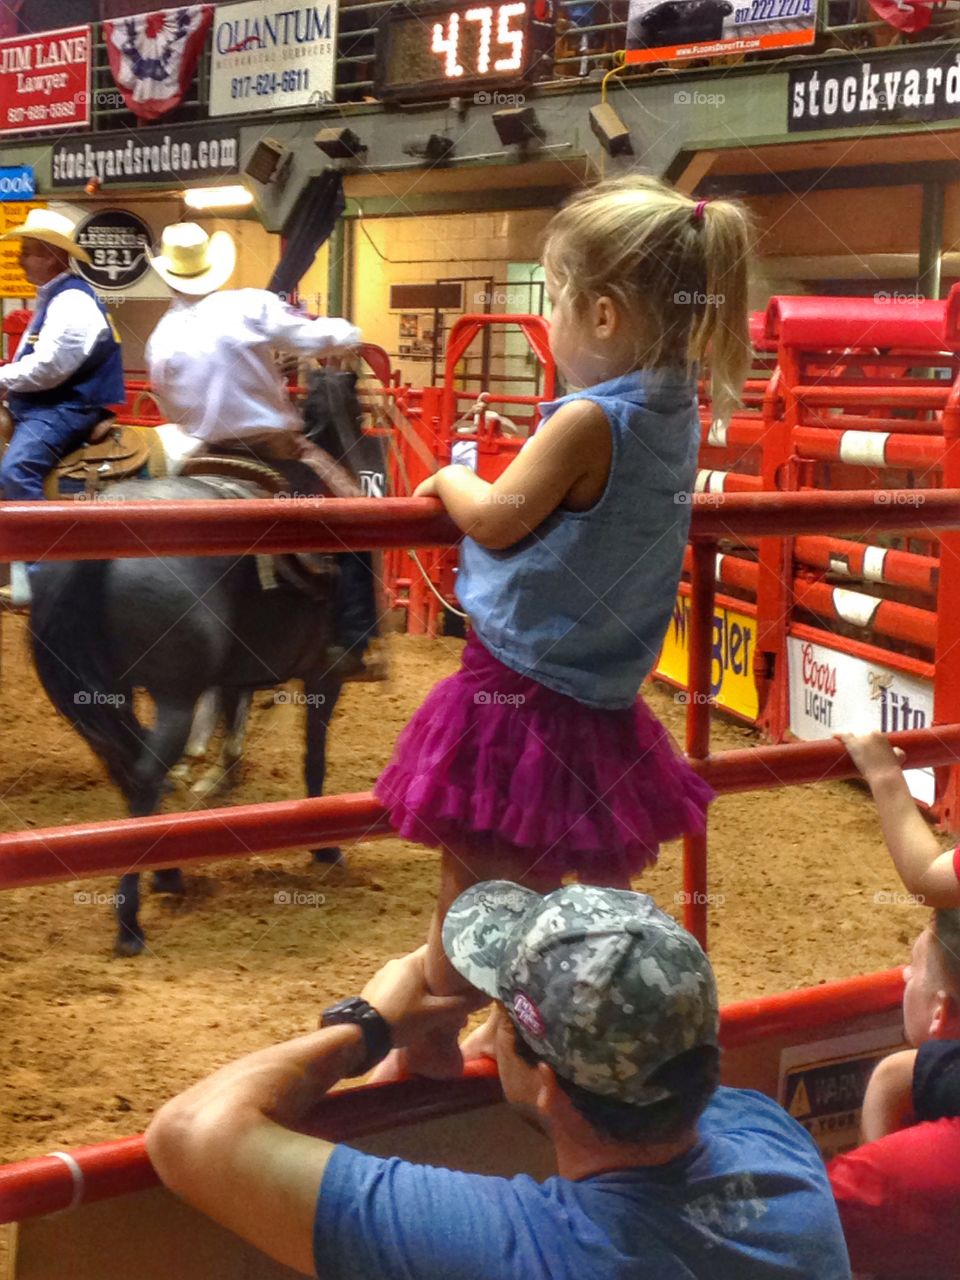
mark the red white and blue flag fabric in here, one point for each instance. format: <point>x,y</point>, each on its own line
<point>154,56</point>
<point>906,15</point>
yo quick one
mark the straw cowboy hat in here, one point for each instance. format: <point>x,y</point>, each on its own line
<point>190,261</point>
<point>49,228</point>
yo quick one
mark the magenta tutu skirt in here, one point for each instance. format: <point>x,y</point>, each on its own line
<point>495,763</point>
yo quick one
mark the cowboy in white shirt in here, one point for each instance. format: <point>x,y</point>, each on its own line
<point>212,356</point>
<point>213,369</point>
<point>67,370</point>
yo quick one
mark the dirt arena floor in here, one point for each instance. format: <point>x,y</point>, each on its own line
<point>90,1045</point>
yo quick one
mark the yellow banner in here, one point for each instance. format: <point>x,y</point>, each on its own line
<point>732,685</point>
<point>13,283</point>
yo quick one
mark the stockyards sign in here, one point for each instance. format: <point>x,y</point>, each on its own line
<point>45,80</point>
<point>852,92</point>
<point>670,30</point>
<point>271,56</point>
<point>155,156</point>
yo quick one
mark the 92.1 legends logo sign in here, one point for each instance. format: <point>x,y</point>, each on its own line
<point>117,242</point>
<point>876,90</point>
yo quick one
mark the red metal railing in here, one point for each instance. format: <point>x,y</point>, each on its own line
<point>62,531</point>
<point>46,1184</point>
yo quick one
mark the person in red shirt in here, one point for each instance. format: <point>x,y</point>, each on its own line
<point>899,1193</point>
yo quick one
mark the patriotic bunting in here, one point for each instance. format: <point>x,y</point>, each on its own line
<point>153,56</point>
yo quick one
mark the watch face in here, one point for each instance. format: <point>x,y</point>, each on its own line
<point>449,50</point>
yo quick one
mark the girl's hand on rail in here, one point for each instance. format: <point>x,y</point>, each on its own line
<point>427,488</point>
<point>871,753</point>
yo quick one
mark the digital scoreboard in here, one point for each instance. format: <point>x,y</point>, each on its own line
<point>449,50</point>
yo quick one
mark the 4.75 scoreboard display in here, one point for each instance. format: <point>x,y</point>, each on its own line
<point>451,49</point>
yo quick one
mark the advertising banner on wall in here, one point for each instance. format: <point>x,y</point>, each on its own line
<point>271,56</point>
<point>17,182</point>
<point>45,80</point>
<point>13,283</point>
<point>833,692</point>
<point>177,155</point>
<point>117,242</point>
<point>732,686</point>
<point>671,30</point>
<point>910,87</point>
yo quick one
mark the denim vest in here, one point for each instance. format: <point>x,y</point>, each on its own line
<point>582,604</point>
<point>97,382</point>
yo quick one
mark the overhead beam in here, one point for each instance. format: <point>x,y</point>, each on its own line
<point>802,182</point>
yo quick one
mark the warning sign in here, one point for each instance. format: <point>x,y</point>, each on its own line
<point>13,283</point>
<point>822,1085</point>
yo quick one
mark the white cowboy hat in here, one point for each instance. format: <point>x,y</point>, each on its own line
<point>190,261</point>
<point>49,228</point>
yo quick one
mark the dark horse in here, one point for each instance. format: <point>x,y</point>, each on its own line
<point>175,626</point>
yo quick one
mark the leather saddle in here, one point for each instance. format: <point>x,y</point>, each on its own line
<point>236,476</point>
<point>112,453</point>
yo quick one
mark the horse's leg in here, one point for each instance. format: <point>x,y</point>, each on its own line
<point>205,719</point>
<point>220,776</point>
<point>321,693</point>
<point>162,749</point>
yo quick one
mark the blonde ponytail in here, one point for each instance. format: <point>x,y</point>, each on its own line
<point>721,337</point>
<point>677,266</point>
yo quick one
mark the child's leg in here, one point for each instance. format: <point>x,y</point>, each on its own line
<point>440,1057</point>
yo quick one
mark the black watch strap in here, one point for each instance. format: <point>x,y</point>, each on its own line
<point>377,1036</point>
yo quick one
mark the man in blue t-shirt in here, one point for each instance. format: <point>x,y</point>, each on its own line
<point>606,1038</point>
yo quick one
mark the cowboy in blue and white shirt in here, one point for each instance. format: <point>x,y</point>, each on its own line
<point>68,366</point>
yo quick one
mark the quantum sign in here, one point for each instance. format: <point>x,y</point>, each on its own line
<point>671,30</point>
<point>45,80</point>
<point>268,57</point>
<point>456,49</point>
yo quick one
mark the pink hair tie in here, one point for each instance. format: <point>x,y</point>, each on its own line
<point>698,210</point>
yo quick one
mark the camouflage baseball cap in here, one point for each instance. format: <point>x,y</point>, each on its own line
<point>600,983</point>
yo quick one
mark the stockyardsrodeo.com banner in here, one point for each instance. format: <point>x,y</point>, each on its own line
<point>45,80</point>
<point>149,155</point>
<point>859,91</point>
<point>267,57</point>
<point>670,30</point>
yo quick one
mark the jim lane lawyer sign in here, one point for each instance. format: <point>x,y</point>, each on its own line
<point>268,56</point>
<point>922,87</point>
<point>45,80</point>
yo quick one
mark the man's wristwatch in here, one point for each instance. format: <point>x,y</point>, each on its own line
<point>377,1035</point>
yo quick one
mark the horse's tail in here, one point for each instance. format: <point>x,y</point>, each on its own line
<point>70,653</point>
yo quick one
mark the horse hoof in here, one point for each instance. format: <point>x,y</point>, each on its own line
<point>329,857</point>
<point>129,943</point>
<point>169,881</point>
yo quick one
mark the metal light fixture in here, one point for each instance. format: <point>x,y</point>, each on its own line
<point>268,161</point>
<point>339,144</point>
<point>613,134</point>
<point>518,126</point>
<point>435,149</point>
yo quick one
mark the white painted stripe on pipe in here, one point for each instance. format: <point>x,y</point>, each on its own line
<point>874,559</point>
<point>855,607</point>
<point>864,448</point>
